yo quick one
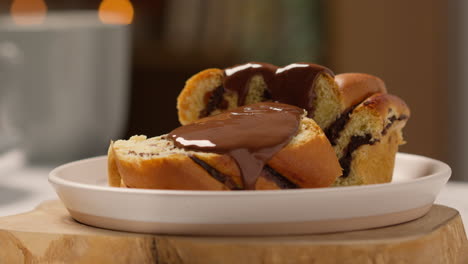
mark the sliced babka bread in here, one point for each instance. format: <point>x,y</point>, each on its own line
<point>307,160</point>
<point>369,140</point>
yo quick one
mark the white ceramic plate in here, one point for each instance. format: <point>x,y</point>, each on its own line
<point>82,186</point>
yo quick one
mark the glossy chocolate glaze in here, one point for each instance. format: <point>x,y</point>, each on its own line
<point>237,78</point>
<point>293,84</point>
<point>251,135</point>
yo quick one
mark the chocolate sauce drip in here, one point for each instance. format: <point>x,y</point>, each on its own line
<point>293,84</point>
<point>354,143</point>
<point>226,180</point>
<point>392,120</point>
<point>280,181</point>
<point>237,78</point>
<point>268,172</point>
<point>213,100</point>
<point>251,135</point>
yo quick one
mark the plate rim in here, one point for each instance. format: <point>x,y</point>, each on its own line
<point>53,178</point>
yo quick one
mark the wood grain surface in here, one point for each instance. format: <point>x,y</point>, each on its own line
<point>49,235</point>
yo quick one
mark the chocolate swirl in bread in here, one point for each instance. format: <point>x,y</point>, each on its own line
<point>367,144</point>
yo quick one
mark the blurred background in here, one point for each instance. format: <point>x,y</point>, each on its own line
<point>417,47</point>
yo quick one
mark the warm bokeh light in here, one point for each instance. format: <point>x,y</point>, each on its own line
<point>118,12</point>
<point>28,12</point>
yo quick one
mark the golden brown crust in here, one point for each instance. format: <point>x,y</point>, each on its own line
<point>310,165</point>
<point>176,172</point>
<point>113,175</point>
<point>191,100</point>
<point>355,87</point>
<point>381,104</point>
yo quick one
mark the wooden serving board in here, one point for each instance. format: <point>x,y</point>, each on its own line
<point>49,235</point>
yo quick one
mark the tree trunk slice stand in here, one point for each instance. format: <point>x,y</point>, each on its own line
<point>49,235</point>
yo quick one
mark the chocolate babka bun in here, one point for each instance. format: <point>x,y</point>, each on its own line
<point>368,142</point>
<point>353,88</point>
<point>308,86</point>
<point>261,146</point>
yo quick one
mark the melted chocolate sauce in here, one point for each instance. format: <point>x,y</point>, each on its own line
<point>237,78</point>
<point>251,135</point>
<point>293,84</point>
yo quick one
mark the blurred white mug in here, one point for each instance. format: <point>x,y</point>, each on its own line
<point>66,93</point>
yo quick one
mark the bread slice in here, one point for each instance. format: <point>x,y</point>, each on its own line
<point>204,95</point>
<point>307,161</point>
<point>367,145</point>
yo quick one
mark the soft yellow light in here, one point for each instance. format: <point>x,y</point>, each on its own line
<point>118,12</point>
<point>27,12</point>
